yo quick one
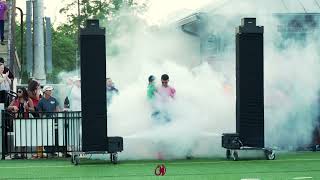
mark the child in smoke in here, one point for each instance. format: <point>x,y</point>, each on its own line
<point>166,94</point>
<point>160,98</point>
<point>151,95</point>
<point>151,90</point>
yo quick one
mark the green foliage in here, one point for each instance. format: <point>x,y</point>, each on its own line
<point>64,49</point>
<point>109,12</point>
<point>18,47</point>
<point>65,36</point>
<point>101,9</point>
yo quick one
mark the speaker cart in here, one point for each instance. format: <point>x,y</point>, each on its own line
<point>233,144</point>
<point>90,135</point>
<point>249,134</point>
<point>115,145</point>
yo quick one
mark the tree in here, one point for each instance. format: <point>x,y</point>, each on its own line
<point>63,51</point>
<point>109,12</point>
<point>18,47</point>
<point>65,36</point>
<point>99,9</point>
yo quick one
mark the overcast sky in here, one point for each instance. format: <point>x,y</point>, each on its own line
<point>159,9</point>
<point>51,8</point>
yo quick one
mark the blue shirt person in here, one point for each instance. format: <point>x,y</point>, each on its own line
<point>48,103</point>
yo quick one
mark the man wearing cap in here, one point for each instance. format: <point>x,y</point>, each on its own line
<point>48,103</point>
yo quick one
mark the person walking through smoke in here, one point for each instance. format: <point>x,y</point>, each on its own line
<point>151,95</point>
<point>165,94</point>
<point>111,91</point>
<point>151,90</point>
<point>161,97</point>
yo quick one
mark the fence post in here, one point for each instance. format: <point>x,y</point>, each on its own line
<point>66,126</point>
<point>2,132</point>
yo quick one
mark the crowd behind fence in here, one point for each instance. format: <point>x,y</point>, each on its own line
<point>48,134</point>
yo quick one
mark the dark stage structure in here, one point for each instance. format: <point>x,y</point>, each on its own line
<point>93,94</point>
<point>249,92</point>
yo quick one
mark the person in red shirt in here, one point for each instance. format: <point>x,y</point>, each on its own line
<point>34,92</point>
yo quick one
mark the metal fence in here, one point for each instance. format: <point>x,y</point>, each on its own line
<point>40,135</point>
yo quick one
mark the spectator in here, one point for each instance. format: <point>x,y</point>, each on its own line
<point>34,92</point>
<point>48,103</point>
<point>5,81</point>
<point>22,104</point>
<point>111,91</point>
<point>6,69</point>
<point>3,14</point>
<point>75,94</point>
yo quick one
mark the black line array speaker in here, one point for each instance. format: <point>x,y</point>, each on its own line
<point>93,87</point>
<point>249,82</point>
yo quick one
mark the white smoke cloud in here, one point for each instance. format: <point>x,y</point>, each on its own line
<point>291,68</point>
<point>291,95</point>
<point>70,87</point>
<point>200,113</point>
<point>204,106</point>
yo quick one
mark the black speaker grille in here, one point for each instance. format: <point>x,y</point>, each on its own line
<point>250,92</point>
<point>93,92</point>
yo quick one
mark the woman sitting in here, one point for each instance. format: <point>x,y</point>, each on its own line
<point>22,104</point>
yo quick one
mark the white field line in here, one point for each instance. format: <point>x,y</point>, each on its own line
<point>302,178</point>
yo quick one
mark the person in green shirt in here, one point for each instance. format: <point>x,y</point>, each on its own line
<point>151,90</point>
<point>151,93</point>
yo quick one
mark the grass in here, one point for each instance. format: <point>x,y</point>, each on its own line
<point>286,166</point>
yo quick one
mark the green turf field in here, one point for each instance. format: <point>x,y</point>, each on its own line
<point>300,165</point>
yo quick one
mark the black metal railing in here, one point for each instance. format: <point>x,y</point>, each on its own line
<point>40,135</point>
